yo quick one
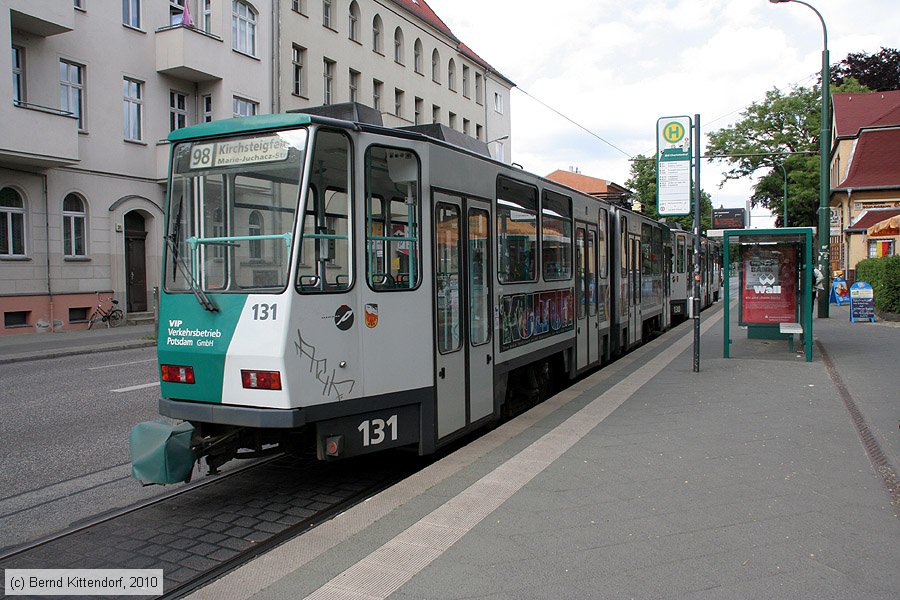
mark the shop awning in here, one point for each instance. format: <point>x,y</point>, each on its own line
<point>889,226</point>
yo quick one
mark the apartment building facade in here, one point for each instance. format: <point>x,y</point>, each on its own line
<point>97,86</point>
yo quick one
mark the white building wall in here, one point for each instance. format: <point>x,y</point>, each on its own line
<point>44,156</point>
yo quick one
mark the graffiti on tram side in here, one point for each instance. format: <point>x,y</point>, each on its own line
<point>526,318</point>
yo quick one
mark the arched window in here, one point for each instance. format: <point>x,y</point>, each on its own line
<point>417,56</point>
<point>354,22</point>
<point>451,75</point>
<point>377,29</point>
<point>12,223</point>
<point>398,46</point>
<point>436,66</point>
<point>243,27</point>
<point>74,241</point>
<point>255,227</point>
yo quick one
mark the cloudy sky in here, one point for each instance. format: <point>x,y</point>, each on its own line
<point>616,66</point>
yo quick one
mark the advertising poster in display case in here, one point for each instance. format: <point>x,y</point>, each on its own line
<point>769,284</point>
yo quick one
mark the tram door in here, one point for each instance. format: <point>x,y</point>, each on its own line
<point>588,326</point>
<point>463,290</point>
<point>634,289</point>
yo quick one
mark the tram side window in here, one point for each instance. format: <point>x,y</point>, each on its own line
<point>679,254</point>
<point>393,234</point>
<point>556,236</point>
<point>325,252</point>
<point>602,241</point>
<point>516,231</point>
<point>447,257</point>
<point>646,249</point>
<point>657,251</point>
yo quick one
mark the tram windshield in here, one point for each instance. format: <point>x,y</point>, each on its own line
<point>232,205</point>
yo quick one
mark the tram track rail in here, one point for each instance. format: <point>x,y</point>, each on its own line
<point>199,532</point>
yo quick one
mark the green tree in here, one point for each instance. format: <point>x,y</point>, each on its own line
<point>782,129</point>
<point>643,183</point>
<point>879,72</point>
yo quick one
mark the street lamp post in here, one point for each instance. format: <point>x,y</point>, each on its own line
<point>824,147</point>
<point>780,165</point>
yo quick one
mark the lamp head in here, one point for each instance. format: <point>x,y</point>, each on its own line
<point>780,1</point>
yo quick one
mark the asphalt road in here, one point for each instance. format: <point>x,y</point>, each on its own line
<point>64,427</point>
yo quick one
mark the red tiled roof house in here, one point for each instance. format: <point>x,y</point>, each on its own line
<point>865,177</point>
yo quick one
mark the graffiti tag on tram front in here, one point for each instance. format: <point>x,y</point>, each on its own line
<point>526,318</point>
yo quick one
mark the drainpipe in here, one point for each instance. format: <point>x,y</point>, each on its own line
<point>275,87</point>
<point>46,193</point>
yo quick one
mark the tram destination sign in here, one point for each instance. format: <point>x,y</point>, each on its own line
<point>673,166</point>
<point>270,148</point>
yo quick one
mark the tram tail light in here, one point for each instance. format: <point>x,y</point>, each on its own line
<point>177,374</point>
<point>261,380</point>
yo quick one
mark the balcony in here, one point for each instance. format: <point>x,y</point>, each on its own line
<point>38,137</point>
<point>189,53</point>
<point>42,18</point>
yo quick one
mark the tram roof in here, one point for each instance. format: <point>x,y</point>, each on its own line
<point>240,125</point>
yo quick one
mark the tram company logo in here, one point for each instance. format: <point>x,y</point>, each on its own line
<point>343,317</point>
<point>371,315</point>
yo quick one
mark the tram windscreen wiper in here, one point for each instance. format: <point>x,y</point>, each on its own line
<point>174,243</point>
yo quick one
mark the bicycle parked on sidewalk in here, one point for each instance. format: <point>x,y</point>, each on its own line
<point>113,316</point>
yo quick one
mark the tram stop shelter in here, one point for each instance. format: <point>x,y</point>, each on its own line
<point>776,284</point>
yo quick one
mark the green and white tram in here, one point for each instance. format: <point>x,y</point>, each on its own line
<point>340,284</point>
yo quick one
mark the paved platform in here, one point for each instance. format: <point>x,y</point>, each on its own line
<point>644,480</point>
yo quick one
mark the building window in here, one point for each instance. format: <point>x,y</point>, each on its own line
<point>418,111</point>
<point>243,28</point>
<point>499,151</point>
<point>376,94</point>
<point>78,4</point>
<point>73,226</point>
<point>326,13</point>
<point>879,248</point>
<point>297,6</point>
<point>398,103</point>
<point>435,113</point>
<point>478,134</point>
<point>451,75</point>
<point>417,56</point>
<point>133,104</point>
<point>498,103</point>
<point>465,81</point>
<point>71,90</point>
<point>328,73</point>
<point>354,86</point>
<point>436,66</point>
<point>451,120</point>
<point>206,16</point>
<point>207,108</point>
<point>398,46</point>
<point>241,107</point>
<point>479,88</point>
<point>12,223</point>
<point>298,60</point>
<point>377,29</point>
<point>176,12</point>
<point>18,74</point>
<point>353,25</point>
<point>131,13</point>
<point>466,126</point>
<point>177,110</point>
<point>255,229</point>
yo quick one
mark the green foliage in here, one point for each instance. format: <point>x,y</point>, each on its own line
<point>643,183</point>
<point>878,72</point>
<point>883,274</point>
<point>783,129</point>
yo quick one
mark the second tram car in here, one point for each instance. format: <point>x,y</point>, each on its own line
<point>356,287</point>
